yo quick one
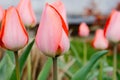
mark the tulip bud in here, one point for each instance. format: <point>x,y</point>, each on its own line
<point>83,30</point>
<point>52,35</point>
<point>13,33</point>
<point>112,27</point>
<point>1,13</point>
<point>100,42</point>
<point>26,13</point>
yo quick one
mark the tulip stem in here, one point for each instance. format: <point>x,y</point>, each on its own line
<point>17,65</point>
<point>29,67</point>
<point>115,62</point>
<point>101,69</point>
<point>55,68</point>
<point>85,52</point>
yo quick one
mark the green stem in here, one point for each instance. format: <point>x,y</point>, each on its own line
<point>29,67</point>
<point>17,65</point>
<point>55,68</point>
<point>115,62</point>
<point>85,53</point>
<point>101,69</point>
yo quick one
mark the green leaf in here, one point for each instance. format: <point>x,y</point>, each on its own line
<point>45,70</point>
<point>22,60</point>
<point>82,73</point>
<point>6,67</point>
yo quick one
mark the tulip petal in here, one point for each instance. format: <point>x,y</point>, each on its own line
<point>13,33</point>
<point>59,6</point>
<point>64,44</point>
<point>26,12</point>
<point>49,32</point>
<point>64,26</point>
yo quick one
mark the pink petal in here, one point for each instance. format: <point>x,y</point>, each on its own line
<point>26,12</point>
<point>64,44</point>
<point>49,32</point>
<point>112,27</point>
<point>59,6</point>
<point>100,42</point>
<point>13,33</point>
<point>83,30</point>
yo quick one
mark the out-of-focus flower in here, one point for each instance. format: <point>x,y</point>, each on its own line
<point>26,13</point>
<point>83,30</point>
<point>1,13</point>
<point>52,35</point>
<point>13,33</point>
<point>100,42</point>
<point>112,27</point>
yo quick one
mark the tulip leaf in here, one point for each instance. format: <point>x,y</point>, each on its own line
<point>22,60</point>
<point>82,73</point>
<point>45,71</point>
<point>75,52</point>
<point>6,67</point>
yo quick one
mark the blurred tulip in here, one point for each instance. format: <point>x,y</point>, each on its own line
<point>100,42</point>
<point>1,13</point>
<point>13,34</point>
<point>52,35</point>
<point>112,27</point>
<point>83,30</point>
<point>26,13</point>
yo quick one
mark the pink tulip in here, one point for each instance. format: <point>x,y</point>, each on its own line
<point>52,35</point>
<point>112,27</point>
<point>100,42</point>
<point>1,13</point>
<point>83,30</point>
<point>26,13</point>
<point>13,34</point>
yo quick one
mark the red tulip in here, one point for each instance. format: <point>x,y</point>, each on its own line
<point>52,35</point>
<point>112,27</point>
<point>83,30</point>
<point>13,34</point>
<point>100,42</point>
<point>26,12</point>
<point>1,13</point>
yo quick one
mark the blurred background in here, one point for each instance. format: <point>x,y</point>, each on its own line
<point>94,13</point>
<point>76,9</point>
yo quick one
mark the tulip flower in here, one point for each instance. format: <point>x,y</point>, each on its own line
<point>83,30</point>
<point>100,42</point>
<point>52,35</point>
<point>112,27</point>
<point>111,32</point>
<point>13,34</point>
<point>26,13</point>
<point>1,13</point>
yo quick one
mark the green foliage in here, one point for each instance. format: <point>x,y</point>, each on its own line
<point>82,73</point>
<point>6,67</point>
<point>45,70</point>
